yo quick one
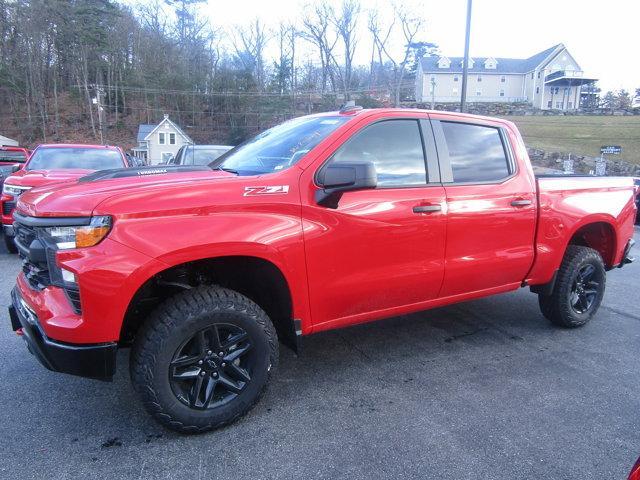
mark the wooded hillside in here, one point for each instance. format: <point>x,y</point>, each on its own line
<point>92,70</point>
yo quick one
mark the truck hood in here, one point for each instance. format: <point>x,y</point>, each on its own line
<point>37,178</point>
<point>82,197</point>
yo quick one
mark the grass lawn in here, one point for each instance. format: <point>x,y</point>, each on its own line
<point>582,135</point>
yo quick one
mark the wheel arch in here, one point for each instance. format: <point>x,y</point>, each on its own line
<point>597,233</point>
<point>256,277</point>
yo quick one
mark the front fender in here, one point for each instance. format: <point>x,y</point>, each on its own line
<point>178,239</point>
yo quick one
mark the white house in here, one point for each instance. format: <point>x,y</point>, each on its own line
<point>7,142</point>
<point>159,143</point>
<point>551,79</point>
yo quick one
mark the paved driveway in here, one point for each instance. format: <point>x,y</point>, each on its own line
<point>486,389</point>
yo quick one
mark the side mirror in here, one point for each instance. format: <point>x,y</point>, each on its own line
<point>15,168</point>
<point>337,178</point>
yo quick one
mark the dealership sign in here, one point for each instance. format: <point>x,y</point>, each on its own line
<point>611,150</point>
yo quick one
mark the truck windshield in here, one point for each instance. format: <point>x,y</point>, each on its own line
<point>75,157</point>
<point>279,147</point>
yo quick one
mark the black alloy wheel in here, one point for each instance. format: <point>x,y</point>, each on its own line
<point>212,367</point>
<point>584,289</point>
<point>203,358</point>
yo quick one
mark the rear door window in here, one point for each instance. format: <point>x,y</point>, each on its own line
<point>476,152</point>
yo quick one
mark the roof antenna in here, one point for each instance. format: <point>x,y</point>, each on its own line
<point>350,106</point>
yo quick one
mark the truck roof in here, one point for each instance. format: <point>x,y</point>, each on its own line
<point>372,111</point>
<point>75,145</point>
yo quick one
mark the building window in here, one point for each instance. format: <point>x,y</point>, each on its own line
<point>558,104</point>
<point>161,139</point>
<point>537,89</point>
<point>538,74</point>
<point>172,138</point>
<point>569,105</point>
<point>503,79</point>
<point>479,78</point>
<point>531,75</point>
<point>549,104</point>
<point>455,78</point>
<point>455,91</point>
<point>478,93</point>
<point>502,93</point>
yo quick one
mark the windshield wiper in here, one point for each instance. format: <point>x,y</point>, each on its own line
<point>225,169</point>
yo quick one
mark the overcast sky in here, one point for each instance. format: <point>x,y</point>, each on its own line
<point>603,37</point>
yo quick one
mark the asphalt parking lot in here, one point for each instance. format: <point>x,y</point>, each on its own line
<point>486,389</point>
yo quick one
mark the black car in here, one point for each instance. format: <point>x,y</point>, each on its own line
<point>198,154</point>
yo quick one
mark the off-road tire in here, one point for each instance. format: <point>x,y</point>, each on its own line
<point>179,317</point>
<point>10,244</point>
<point>557,307</point>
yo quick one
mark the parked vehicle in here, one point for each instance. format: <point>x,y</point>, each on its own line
<point>322,222</point>
<point>53,163</point>
<point>11,160</point>
<point>198,154</point>
<point>636,181</point>
<point>635,471</point>
<point>134,161</point>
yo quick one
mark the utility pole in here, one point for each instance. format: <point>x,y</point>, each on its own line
<point>465,66</point>
<point>98,102</point>
<point>433,93</point>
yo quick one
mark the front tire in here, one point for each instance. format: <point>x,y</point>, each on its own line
<point>10,244</point>
<point>579,288</point>
<point>203,359</point>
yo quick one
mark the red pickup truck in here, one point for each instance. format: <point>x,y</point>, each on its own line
<point>322,222</point>
<point>53,163</point>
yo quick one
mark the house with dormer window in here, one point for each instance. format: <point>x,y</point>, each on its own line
<point>160,143</point>
<point>549,80</point>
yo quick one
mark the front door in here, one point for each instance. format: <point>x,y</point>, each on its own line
<point>491,206</point>
<point>380,249</point>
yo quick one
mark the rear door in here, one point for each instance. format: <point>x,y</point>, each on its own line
<point>491,205</point>
<point>381,249</point>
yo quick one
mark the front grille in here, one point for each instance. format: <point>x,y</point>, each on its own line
<point>24,235</point>
<point>37,275</point>
<point>7,207</point>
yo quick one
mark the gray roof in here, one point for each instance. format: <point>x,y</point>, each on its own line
<point>504,65</point>
<point>144,130</point>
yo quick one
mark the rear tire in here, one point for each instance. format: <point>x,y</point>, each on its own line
<point>203,359</point>
<point>10,244</point>
<point>579,288</point>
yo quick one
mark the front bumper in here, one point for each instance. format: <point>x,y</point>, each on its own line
<point>94,361</point>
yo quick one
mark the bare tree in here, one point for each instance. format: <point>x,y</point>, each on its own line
<point>250,43</point>
<point>345,21</point>
<point>317,31</point>
<point>409,26</point>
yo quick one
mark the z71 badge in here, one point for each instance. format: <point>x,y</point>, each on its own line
<point>270,190</point>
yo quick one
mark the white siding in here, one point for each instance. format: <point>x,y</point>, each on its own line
<point>156,150</point>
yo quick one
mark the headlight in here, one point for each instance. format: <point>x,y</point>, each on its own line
<point>13,190</point>
<point>81,236</point>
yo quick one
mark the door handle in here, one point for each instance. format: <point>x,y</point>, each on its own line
<point>427,208</point>
<point>520,203</point>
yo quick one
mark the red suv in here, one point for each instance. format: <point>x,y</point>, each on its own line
<point>51,164</point>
